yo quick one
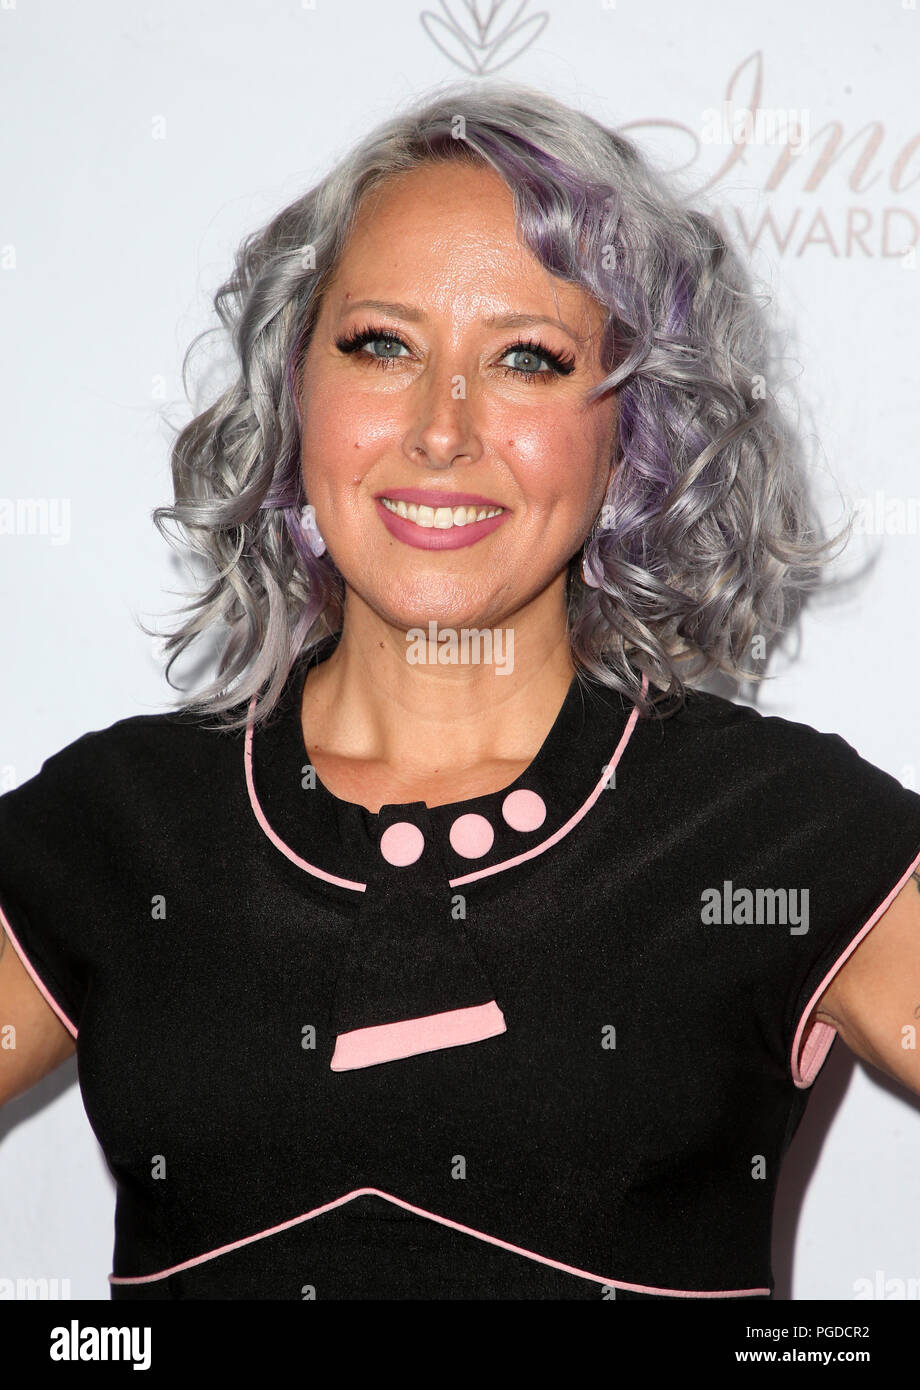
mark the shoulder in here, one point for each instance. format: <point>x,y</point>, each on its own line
<point>728,751</point>
<point>711,720</point>
<point>144,752</point>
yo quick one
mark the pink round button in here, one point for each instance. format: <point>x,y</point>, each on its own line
<point>471,836</point>
<point>524,810</point>
<point>401,843</point>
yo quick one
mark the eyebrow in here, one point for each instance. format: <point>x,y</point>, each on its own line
<point>413,315</point>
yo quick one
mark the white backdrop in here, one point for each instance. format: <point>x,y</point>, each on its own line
<point>141,142</point>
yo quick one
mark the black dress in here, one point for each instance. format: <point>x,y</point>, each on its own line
<point>549,1043</point>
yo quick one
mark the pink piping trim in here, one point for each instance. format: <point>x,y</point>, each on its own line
<point>573,820</point>
<point>386,1042</point>
<point>464,878</point>
<point>35,977</point>
<point>444,1221</point>
<point>276,839</point>
<point>821,1035</point>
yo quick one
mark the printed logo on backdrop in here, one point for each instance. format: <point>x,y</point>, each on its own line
<point>779,147</point>
<point>782,150</point>
<point>482,37</point>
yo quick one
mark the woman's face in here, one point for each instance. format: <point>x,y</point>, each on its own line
<point>415,389</point>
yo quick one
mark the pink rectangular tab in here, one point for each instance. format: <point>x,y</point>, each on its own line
<point>365,1047</point>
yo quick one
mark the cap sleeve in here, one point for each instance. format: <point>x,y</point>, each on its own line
<point>46,850</point>
<point>855,832</point>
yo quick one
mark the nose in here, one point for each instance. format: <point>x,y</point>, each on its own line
<point>443,430</point>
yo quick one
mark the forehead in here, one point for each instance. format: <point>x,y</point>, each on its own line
<point>444,236</point>
<point>442,192</point>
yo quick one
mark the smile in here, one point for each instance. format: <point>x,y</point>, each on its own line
<point>419,522</point>
<point>439,518</point>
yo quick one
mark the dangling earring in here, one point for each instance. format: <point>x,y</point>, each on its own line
<point>592,571</point>
<point>311,530</point>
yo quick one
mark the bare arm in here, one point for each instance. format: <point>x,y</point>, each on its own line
<point>874,1000</point>
<point>28,1021</point>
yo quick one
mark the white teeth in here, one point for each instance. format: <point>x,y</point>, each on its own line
<point>442,518</point>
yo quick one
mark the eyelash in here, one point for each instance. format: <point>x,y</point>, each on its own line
<point>561,364</point>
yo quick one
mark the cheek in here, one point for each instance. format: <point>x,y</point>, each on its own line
<point>344,431</point>
<point>555,454</point>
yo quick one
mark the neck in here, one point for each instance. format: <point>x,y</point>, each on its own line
<point>435,708</point>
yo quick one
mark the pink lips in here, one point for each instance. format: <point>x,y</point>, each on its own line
<point>430,537</point>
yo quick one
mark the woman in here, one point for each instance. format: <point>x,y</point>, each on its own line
<point>452,943</point>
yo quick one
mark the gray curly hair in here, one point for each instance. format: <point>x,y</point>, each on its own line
<point>706,538</point>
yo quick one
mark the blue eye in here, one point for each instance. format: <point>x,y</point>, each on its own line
<point>557,365</point>
<point>362,338</point>
<point>536,355</point>
<point>392,342</point>
<point>539,356</point>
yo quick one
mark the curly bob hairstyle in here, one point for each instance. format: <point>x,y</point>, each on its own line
<point>706,533</point>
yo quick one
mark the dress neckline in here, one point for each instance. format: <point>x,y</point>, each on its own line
<point>325,649</point>
<point>340,841</point>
